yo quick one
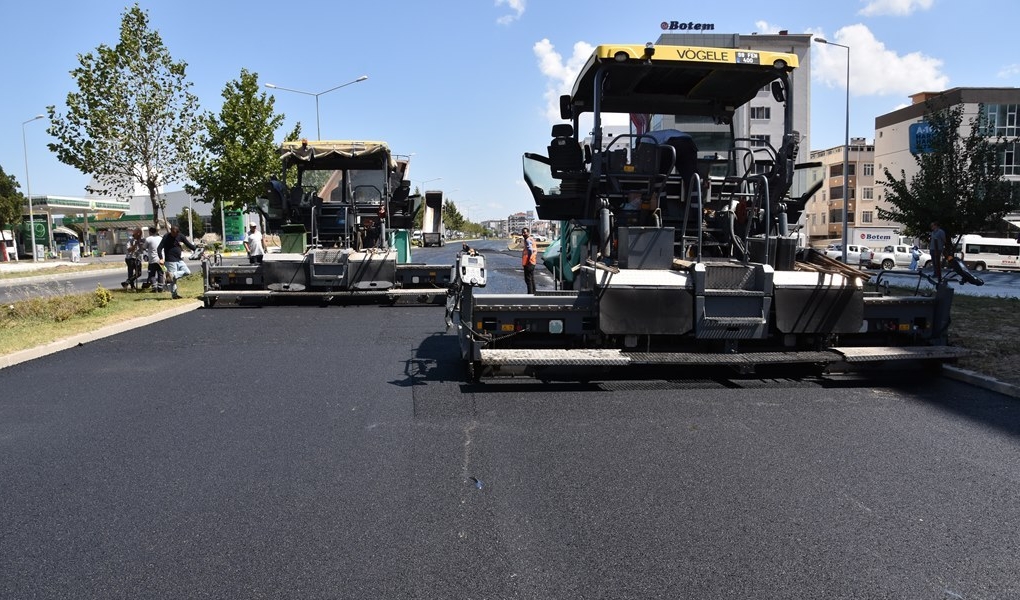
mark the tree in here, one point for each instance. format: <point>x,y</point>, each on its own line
<point>419,213</point>
<point>133,118</point>
<point>959,181</point>
<point>11,203</point>
<point>238,151</point>
<point>452,218</point>
<point>196,225</point>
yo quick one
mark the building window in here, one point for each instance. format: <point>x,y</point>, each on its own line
<point>761,140</point>
<point>1011,159</point>
<point>869,169</point>
<point>761,112</point>
<point>836,192</point>
<point>866,216</point>
<point>836,170</point>
<point>867,193</point>
<point>1003,120</point>
<point>837,215</point>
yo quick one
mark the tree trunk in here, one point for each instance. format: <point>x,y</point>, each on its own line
<point>155,205</point>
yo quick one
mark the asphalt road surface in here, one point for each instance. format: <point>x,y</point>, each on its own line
<point>336,452</point>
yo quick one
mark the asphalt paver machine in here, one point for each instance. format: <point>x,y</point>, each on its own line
<point>675,248</point>
<point>344,212</point>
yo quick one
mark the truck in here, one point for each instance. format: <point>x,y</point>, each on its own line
<point>874,237</point>
<point>344,213</point>
<point>898,256</point>
<point>675,252</point>
<point>432,229</point>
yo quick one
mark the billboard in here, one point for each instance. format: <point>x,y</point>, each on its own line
<point>920,138</point>
<point>233,230</point>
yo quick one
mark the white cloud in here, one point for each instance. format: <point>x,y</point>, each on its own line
<point>874,69</point>
<point>559,75</point>
<point>1009,71</point>
<point>560,78</point>
<point>898,8</point>
<point>515,5</point>
<point>766,27</point>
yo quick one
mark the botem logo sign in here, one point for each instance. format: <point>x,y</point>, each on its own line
<point>688,26</point>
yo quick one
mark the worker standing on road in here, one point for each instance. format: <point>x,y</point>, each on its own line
<point>133,258</point>
<point>528,260</point>
<point>155,277</point>
<point>254,245</point>
<point>938,248</point>
<point>170,256</point>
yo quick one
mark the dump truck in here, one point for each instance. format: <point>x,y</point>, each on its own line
<point>433,232</point>
<point>676,251</point>
<point>344,212</point>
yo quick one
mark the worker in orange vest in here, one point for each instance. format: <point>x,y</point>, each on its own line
<point>528,260</point>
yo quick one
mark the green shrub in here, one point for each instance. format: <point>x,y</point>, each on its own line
<point>103,296</point>
<point>54,308</point>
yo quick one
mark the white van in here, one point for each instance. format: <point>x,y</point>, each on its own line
<point>981,253</point>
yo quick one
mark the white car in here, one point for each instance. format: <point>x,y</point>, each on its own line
<point>898,256</point>
<point>855,254</point>
<point>416,235</point>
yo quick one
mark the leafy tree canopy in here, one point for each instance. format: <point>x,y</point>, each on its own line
<point>959,181</point>
<point>196,225</point>
<point>238,153</point>
<point>452,217</point>
<point>11,200</point>
<point>133,118</point>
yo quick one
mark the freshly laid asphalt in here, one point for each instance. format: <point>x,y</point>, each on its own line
<point>336,452</point>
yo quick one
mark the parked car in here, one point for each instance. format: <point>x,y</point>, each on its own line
<point>855,254</point>
<point>898,256</point>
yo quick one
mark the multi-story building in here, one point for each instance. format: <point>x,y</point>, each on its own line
<point>761,120</point>
<point>497,226</point>
<point>518,221</point>
<point>823,213</point>
<point>894,136</point>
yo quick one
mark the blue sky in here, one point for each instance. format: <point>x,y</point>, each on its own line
<point>467,85</point>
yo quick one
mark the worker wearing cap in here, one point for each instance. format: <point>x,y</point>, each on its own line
<point>254,245</point>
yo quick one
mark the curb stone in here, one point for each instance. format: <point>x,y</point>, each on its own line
<point>981,381</point>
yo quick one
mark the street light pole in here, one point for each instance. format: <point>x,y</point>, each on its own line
<point>28,186</point>
<point>318,131</point>
<point>422,183</point>
<point>846,144</point>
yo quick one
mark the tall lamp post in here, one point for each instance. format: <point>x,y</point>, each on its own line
<point>318,132</point>
<point>191,222</point>
<point>422,183</point>
<point>846,144</point>
<point>28,186</point>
